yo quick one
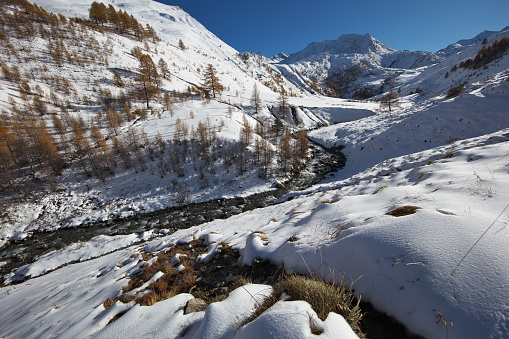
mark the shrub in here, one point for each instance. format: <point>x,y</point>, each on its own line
<point>455,91</point>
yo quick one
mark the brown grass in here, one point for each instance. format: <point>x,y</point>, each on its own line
<point>108,303</point>
<point>321,295</point>
<point>403,210</point>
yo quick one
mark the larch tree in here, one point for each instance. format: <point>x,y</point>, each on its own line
<point>102,151</point>
<point>167,102</point>
<point>147,78</point>
<point>256,101</point>
<point>390,100</point>
<point>283,106</point>
<point>285,153</point>
<point>246,133</point>
<point>6,162</point>
<point>181,45</point>
<point>46,148</point>
<point>163,69</point>
<point>301,147</point>
<point>98,13</point>
<point>211,82</point>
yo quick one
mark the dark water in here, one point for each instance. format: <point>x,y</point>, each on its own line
<point>16,254</point>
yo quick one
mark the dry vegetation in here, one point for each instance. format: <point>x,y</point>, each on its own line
<point>403,210</point>
<point>323,297</point>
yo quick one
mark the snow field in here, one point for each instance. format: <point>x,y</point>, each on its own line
<point>402,265</point>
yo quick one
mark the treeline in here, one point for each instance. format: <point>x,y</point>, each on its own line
<point>122,22</point>
<point>486,55</point>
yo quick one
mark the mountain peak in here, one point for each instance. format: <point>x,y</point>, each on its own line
<point>352,43</point>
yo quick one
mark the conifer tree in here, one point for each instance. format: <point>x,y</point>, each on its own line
<point>102,153</point>
<point>211,82</point>
<point>301,147</point>
<point>6,164</point>
<point>167,103</point>
<point>98,13</point>
<point>46,148</point>
<point>117,79</point>
<point>256,101</point>
<point>285,153</point>
<point>121,150</point>
<point>390,100</point>
<point>147,78</point>
<point>163,69</point>
<point>283,107</point>
<point>246,133</point>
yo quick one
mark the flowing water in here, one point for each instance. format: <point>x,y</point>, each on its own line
<point>16,254</point>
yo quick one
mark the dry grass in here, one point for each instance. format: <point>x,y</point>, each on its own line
<point>380,188</point>
<point>168,285</point>
<point>403,210</point>
<point>108,303</point>
<point>448,154</point>
<point>321,295</point>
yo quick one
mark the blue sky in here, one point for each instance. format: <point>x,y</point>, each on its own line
<point>288,26</point>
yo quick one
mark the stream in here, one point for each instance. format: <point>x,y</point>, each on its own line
<point>16,254</point>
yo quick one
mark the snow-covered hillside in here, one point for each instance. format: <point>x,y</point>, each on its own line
<point>81,89</point>
<point>440,271</point>
<point>460,45</point>
<point>364,65</point>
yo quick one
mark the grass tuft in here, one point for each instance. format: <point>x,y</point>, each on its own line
<point>380,188</point>
<point>404,210</point>
<point>321,295</point>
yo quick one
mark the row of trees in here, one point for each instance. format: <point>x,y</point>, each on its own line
<point>121,21</point>
<point>485,55</point>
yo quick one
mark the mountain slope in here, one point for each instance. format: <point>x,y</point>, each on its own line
<point>374,62</point>
<point>460,45</point>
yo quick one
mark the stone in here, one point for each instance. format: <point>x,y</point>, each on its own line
<point>195,305</point>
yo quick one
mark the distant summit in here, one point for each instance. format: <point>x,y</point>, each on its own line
<point>345,44</point>
<point>364,48</point>
<point>460,45</point>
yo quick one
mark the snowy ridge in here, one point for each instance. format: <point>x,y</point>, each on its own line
<point>465,43</point>
<point>365,48</point>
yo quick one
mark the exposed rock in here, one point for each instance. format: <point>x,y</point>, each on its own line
<point>195,305</point>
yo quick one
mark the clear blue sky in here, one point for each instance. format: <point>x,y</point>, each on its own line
<point>288,26</point>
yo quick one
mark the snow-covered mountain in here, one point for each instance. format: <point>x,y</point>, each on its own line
<point>375,61</point>
<point>462,44</point>
<point>172,24</point>
<point>362,48</point>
